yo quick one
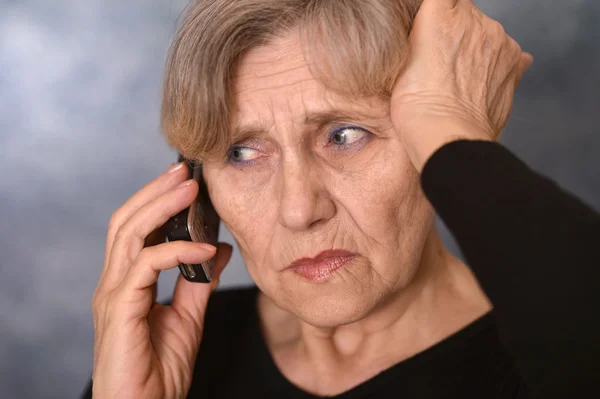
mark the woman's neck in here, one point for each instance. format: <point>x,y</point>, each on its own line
<point>442,298</point>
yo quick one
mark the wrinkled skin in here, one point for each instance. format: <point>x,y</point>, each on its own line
<point>300,196</point>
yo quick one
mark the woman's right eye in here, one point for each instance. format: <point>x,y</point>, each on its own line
<point>240,155</point>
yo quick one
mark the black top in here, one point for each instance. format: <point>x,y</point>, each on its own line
<point>532,248</point>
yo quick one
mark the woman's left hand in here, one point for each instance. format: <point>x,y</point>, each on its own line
<point>459,81</point>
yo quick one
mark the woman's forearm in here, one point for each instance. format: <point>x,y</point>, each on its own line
<point>535,251</point>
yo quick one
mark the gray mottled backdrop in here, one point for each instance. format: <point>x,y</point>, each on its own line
<point>79,102</point>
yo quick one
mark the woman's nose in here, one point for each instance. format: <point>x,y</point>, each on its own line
<point>304,201</point>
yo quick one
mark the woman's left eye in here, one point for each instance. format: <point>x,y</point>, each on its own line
<point>347,135</point>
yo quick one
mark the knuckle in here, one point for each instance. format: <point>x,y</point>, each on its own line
<point>94,305</point>
<point>109,305</point>
<point>98,307</point>
<point>497,28</point>
<point>116,219</point>
<point>97,316</point>
<point>95,302</point>
<point>124,233</point>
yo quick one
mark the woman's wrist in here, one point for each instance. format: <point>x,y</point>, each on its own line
<point>425,137</point>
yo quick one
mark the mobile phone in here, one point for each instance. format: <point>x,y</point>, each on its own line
<point>199,223</point>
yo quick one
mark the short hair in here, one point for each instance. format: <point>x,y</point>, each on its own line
<point>361,45</point>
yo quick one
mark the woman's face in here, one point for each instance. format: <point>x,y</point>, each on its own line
<point>312,171</point>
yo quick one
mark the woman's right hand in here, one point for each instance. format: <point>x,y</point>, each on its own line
<point>143,349</point>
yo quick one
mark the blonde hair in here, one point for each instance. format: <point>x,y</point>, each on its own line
<point>361,46</point>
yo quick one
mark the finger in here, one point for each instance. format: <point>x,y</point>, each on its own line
<point>165,182</point>
<point>136,287</point>
<point>524,64</point>
<point>131,236</point>
<point>430,15</point>
<point>526,61</point>
<point>190,299</point>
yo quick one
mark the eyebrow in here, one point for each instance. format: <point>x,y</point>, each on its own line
<point>323,117</point>
<point>319,118</point>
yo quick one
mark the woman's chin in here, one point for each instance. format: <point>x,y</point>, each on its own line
<point>333,311</point>
<point>331,305</point>
<point>345,296</point>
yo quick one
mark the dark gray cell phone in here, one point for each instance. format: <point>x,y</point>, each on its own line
<point>199,223</point>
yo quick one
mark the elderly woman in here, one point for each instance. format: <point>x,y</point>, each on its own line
<point>329,132</point>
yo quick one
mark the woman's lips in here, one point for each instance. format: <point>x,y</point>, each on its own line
<point>322,265</point>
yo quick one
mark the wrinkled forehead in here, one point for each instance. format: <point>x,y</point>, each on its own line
<point>278,63</point>
<point>274,83</point>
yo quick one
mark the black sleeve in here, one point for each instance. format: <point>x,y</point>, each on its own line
<point>535,251</point>
<point>87,393</point>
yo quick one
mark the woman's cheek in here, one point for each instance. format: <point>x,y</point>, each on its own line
<point>246,213</point>
<point>248,216</point>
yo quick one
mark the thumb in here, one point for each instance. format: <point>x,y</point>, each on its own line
<point>190,299</point>
<point>524,64</point>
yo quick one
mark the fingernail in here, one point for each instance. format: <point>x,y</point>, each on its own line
<point>174,167</point>
<point>185,183</point>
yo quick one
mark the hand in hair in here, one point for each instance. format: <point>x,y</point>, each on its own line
<point>460,79</point>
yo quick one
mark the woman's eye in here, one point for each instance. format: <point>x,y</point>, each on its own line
<point>242,154</point>
<point>347,135</point>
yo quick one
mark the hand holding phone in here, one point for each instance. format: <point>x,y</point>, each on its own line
<point>134,341</point>
<point>199,223</point>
